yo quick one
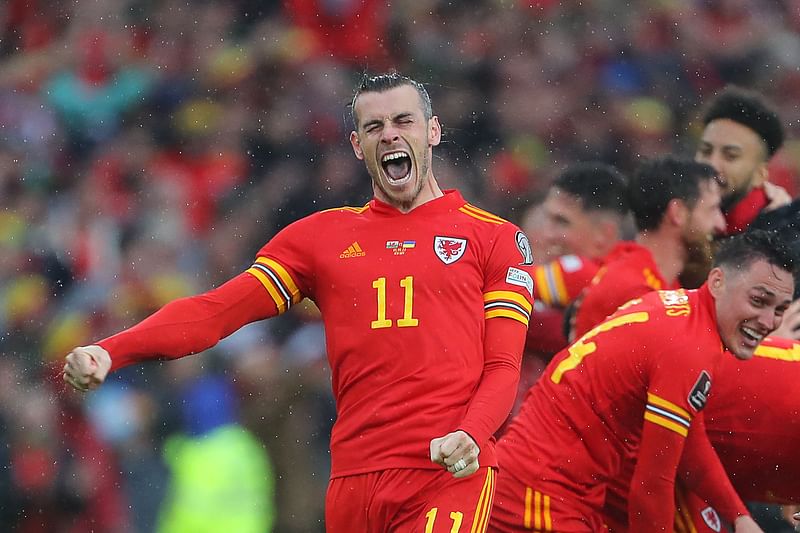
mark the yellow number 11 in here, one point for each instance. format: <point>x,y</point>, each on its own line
<point>407,283</point>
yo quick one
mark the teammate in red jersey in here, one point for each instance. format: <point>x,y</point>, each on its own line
<point>749,425</point>
<point>582,217</point>
<point>634,386</point>
<point>676,207</point>
<point>741,134</point>
<point>425,300</point>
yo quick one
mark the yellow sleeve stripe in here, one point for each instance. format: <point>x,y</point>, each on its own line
<point>493,220</point>
<point>507,313</point>
<point>478,211</point>
<point>493,296</point>
<point>552,276</point>
<point>661,402</point>
<point>544,291</point>
<point>781,354</point>
<point>666,423</point>
<point>485,502</point>
<point>276,296</point>
<point>351,209</point>
<point>286,279</point>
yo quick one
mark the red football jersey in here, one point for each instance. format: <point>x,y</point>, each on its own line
<point>627,272</point>
<point>631,376</point>
<point>404,299</point>
<point>753,421</point>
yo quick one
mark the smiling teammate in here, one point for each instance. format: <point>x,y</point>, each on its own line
<point>632,389</point>
<point>425,300</point>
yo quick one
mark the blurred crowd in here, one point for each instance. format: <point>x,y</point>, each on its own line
<point>149,148</point>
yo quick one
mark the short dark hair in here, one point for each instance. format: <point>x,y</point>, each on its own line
<point>785,223</point>
<point>749,109</point>
<point>657,181</point>
<point>383,82</point>
<point>598,186</point>
<point>741,250</point>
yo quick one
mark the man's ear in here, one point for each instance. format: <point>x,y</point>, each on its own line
<point>354,142</point>
<point>434,131</point>
<point>716,281</point>
<point>761,174</point>
<point>677,213</point>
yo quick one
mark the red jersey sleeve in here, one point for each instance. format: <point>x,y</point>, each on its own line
<point>678,384</point>
<point>285,266</point>
<point>560,281</point>
<point>508,294</point>
<point>702,471</point>
<point>191,325</point>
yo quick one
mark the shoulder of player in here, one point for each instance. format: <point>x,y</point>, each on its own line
<point>482,216</point>
<point>342,211</point>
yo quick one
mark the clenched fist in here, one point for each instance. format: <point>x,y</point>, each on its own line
<point>457,453</point>
<point>87,367</point>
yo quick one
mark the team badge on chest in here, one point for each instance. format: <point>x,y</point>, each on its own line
<point>449,249</point>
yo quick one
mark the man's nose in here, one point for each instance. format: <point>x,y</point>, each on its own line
<point>389,134</point>
<point>769,320</point>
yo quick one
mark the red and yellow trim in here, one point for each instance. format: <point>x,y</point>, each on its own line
<point>549,281</point>
<point>507,304</point>
<point>537,516</point>
<point>480,214</point>
<point>683,516</point>
<point>357,210</point>
<point>779,353</point>
<point>667,415</point>
<point>278,282</point>
<point>485,502</point>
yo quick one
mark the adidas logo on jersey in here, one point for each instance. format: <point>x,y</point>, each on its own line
<point>354,250</point>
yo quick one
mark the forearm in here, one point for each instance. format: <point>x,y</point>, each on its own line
<point>703,473</point>
<point>191,325</point>
<point>497,390</point>
<point>651,496</point>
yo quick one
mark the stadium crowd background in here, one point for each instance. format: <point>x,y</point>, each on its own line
<point>149,148</point>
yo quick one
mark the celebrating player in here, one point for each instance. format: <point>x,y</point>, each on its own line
<point>425,300</point>
<point>741,134</point>
<point>632,387</point>
<point>676,207</point>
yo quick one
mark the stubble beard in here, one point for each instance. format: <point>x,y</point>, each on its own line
<point>699,258</point>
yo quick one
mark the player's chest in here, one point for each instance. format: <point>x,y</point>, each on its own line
<point>433,260</point>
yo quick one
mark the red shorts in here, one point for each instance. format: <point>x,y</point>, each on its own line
<point>692,513</point>
<point>410,500</point>
<point>518,507</point>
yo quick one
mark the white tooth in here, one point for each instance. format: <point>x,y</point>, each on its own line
<point>752,333</point>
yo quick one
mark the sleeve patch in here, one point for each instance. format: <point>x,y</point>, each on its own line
<point>524,247</point>
<point>699,394</point>
<point>520,278</point>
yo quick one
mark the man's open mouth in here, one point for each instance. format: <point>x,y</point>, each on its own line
<point>397,166</point>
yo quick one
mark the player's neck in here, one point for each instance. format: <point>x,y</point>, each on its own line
<point>668,253</point>
<point>429,192</point>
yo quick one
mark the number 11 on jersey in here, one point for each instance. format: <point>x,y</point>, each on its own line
<point>408,321</point>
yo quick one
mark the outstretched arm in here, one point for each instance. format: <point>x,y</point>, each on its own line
<point>182,327</point>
